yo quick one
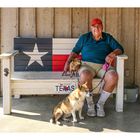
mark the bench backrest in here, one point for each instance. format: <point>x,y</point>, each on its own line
<point>42,54</point>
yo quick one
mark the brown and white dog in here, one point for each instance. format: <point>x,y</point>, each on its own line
<point>72,103</point>
<point>74,67</point>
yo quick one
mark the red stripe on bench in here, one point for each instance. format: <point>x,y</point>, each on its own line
<point>58,62</point>
<point>57,68</point>
<point>59,57</point>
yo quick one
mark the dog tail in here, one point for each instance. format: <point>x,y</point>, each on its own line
<point>52,120</point>
<point>57,114</point>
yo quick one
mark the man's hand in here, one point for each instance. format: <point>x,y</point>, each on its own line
<point>66,68</point>
<point>67,64</point>
<point>111,59</point>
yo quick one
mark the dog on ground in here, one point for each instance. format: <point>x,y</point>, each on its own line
<point>72,103</point>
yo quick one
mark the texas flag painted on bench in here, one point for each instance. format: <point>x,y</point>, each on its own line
<point>42,54</point>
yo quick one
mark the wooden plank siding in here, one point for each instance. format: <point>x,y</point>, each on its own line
<point>122,23</point>
<point>137,48</point>
<point>62,22</point>
<point>9,28</point>
<point>45,22</point>
<point>27,19</point>
<point>112,21</point>
<point>79,21</point>
<point>128,41</point>
<point>0,52</point>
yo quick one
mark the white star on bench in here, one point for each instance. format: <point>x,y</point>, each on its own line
<point>35,56</point>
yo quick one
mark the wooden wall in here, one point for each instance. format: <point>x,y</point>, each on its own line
<point>122,23</point>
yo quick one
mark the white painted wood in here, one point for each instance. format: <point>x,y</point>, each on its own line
<point>17,96</point>
<point>120,85</point>
<point>9,28</point>
<point>9,54</point>
<point>63,46</point>
<point>64,40</point>
<point>6,86</point>
<point>42,83</point>
<point>6,82</point>
<point>45,87</point>
<point>64,52</point>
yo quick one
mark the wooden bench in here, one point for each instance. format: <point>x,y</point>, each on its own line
<point>35,68</point>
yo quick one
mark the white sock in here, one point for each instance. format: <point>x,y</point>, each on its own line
<point>103,97</point>
<point>89,99</point>
<point>89,94</point>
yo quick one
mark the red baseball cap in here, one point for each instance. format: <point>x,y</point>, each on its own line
<point>96,21</point>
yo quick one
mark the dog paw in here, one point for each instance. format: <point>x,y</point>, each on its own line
<point>82,118</point>
<point>66,120</point>
<point>58,123</point>
<point>74,121</point>
<point>51,121</point>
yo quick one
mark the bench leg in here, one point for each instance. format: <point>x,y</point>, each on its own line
<point>119,102</point>
<point>17,96</point>
<point>6,102</point>
<point>6,86</point>
<point>120,86</point>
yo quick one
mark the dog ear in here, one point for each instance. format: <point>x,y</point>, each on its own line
<point>79,85</point>
<point>85,85</point>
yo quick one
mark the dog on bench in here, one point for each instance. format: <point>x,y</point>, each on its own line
<point>73,67</point>
<point>72,103</point>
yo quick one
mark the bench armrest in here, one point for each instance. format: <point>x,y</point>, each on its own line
<point>120,64</point>
<point>6,83</point>
<point>9,54</point>
<point>122,57</point>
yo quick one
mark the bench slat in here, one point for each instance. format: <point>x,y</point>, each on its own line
<point>44,83</point>
<point>64,40</point>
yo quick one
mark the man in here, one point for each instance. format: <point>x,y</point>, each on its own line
<point>97,48</point>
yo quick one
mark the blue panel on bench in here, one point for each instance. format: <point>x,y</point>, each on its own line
<point>29,50</point>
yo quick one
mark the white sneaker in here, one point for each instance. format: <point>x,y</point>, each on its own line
<point>91,106</point>
<point>100,110</point>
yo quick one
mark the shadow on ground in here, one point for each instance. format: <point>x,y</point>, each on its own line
<point>40,108</point>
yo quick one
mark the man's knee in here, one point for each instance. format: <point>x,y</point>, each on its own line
<point>87,75</point>
<point>112,77</point>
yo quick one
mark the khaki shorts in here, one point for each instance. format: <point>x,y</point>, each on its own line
<point>95,69</point>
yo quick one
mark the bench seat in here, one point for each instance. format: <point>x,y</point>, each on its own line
<point>40,83</point>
